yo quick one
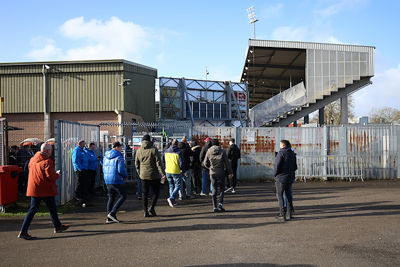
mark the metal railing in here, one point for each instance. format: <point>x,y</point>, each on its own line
<point>343,167</point>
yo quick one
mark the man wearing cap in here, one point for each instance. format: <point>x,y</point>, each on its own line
<point>114,174</point>
<point>174,161</point>
<point>42,186</point>
<point>80,161</point>
<point>149,167</point>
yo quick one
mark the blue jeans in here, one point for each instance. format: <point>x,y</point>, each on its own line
<point>115,190</point>
<point>139,187</point>
<point>188,182</point>
<point>205,174</point>
<point>175,184</point>
<point>35,204</point>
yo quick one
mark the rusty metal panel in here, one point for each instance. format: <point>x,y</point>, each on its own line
<point>377,146</point>
<point>257,147</point>
<point>223,134</point>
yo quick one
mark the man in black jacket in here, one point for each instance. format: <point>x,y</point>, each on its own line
<point>205,173</point>
<point>196,167</point>
<point>187,154</point>
<point>285,167</point>
<point>233,156</point>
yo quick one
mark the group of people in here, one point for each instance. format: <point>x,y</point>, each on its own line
<point>85,162</point>
<point>174,166</point>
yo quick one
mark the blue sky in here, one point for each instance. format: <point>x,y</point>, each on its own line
<point>182,38</point>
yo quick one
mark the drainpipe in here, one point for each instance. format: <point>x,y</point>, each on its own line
<point>46,111</point>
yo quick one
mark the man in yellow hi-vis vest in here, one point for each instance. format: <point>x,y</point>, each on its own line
<point>174,164</point>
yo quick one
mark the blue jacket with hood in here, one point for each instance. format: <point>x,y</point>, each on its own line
<point>80,160</point>
<point>92,159</point>
<point>114,168</point>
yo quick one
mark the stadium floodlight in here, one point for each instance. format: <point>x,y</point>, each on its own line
<point>251,14</point>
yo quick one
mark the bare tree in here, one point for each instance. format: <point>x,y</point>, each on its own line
<point>384,115</point>
<point>332,112</point>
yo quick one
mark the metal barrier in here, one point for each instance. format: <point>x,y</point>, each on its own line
<point>67,134</point>
<point>334,166</point>
<point>345,152</point>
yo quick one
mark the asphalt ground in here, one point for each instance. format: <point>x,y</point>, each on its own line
<point>336,224</point>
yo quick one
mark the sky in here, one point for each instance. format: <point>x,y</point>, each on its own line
<point>183,38</point>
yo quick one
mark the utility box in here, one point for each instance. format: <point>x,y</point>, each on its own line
<point>8,185</point>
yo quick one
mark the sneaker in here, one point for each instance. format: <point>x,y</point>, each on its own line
<point>233,191</point>
<point>289,215</point>
<point>215,210</point>
<point>221,207</point>
<point>188,197</point>
<point>25,236</point>
<point>153,212</point>
<point>229,189</point>
<point>108,220</point>
<point>171,202</point>
<point>281,218</point>
<point>146,215</point>
<point>61,228</point>
<point>210,193</point>
<point>83,205</point>
<point>202,194</point>
<point>113,217</point>
<point>139,198</point>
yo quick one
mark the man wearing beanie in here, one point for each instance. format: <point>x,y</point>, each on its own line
<point>149,168</point>
<point>114,174</point>
<point>217,162</point>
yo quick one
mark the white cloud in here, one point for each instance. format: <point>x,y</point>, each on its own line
<point>336,7</point>
<point>271,11</point>
<point>287,33</point>
<point>96,39</point>
<point>384,92</point>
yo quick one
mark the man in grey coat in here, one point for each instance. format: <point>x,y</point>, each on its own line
<point>217,162</point>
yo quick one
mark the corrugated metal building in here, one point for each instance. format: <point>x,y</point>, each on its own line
<point>85,91</point>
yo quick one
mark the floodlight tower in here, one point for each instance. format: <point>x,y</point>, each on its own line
<point>251,14</point>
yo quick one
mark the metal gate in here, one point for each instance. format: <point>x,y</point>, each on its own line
<point>67,134</point>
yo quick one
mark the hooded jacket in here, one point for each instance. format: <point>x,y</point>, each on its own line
<point>92,159</point>
<point>187,153</point>
<point>174,162</point>
<point>285,165</point>
<point>42,177</point>
<point>196,164</point>
<point>233,154</point>
<point>148,162</point>
<point>204,150</point>
<point>114,168</point>
<point>217,162</point>
<point>80,160</point>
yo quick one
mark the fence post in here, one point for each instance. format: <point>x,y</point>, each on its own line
<point>398,150</point>
<point>58,162</point>
<point>237,139</point>
<point>324,152</point>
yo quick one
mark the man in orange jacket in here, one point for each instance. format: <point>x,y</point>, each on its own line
<point>42,186</point>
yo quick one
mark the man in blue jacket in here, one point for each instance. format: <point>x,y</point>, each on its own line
<point>285,167</point>
<point>114,174</point>
<point>92,166</point>
<point>81,164</point>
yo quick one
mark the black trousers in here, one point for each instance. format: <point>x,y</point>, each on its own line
<point>155,185</point>
<point>82,185</point>
<point>196,179</point>
<point>284,188</point>
<point>218,185</point>
<point>92,181</point>
<point>234,178</point>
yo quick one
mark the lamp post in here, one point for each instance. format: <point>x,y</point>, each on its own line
<point>251,14</point>
<point>46,111</point>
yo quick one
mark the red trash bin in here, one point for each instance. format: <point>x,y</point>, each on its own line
<point>9,184</point>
